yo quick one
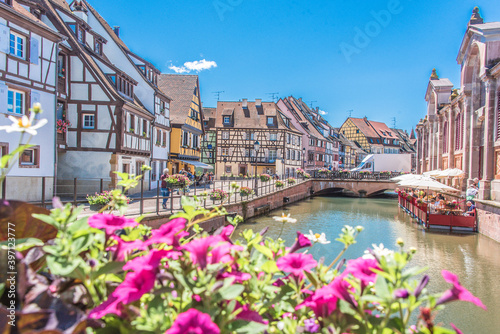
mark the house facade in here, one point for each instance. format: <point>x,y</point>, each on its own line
<point>240,125</point>
<point>28,60</point>
<point>370,136</point>
<point>208,148</point>
<point>461,126</point>
<point>317,148</point>
<point>186,121</point>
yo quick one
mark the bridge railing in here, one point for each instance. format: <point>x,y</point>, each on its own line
<point>348,175</point>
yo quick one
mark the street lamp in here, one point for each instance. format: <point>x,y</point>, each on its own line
<point>256,147</point>
<point>283,168</point>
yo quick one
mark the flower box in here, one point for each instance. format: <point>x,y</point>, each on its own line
<point>218,195</point>
<point>279,184</point>
<point>265,177</point>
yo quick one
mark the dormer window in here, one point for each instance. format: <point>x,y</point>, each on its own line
<point>123,84</point>
<point>270,121</point>
<point>7,2</point>
<point>227,119</point>
<point>78,31</point>
<point>98,47</point>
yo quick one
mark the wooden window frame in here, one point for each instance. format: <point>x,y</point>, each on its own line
<point>132,124</point>
<point>4,150</point>
<point>26,45</point>
<point>226,167</point>
<point>25,103</point>
<point>164,143</point>
<point>36,158</point>
<point>86,113</point>
<point>228,119</point>
<point>98,44</point>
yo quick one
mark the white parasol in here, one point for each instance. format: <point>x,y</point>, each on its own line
<point>426,183</point>
<point>407,177</point>
<point>431,173</point>
<point>451,172</point>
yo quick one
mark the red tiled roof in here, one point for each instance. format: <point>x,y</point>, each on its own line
<point>181,89</point>
<point>383,130</point>
<point>365,127</point>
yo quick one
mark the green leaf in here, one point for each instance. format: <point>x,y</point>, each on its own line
<point>243,327</point>
<point>81,244</point>
<point>312,278</point>
<point>264,250</point>
<point>231,291</point>
<point>270,267</point>
<point>109,268</point>
<point>414,271</point>
<point>61,266</point>
<point>382,288</point>
<point>24,244</point>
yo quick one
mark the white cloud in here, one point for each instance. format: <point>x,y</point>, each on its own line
<point>197,65</point>
<point>322,112</point>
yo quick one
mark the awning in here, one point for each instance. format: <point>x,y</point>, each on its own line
<point>197,164</point>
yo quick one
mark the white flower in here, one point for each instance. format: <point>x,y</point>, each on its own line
<point>24,124</point>
<point>285,219</point>
<point>379,251</point>
<point>316,237</point>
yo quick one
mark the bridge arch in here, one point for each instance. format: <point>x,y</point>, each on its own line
<point>356,188</point>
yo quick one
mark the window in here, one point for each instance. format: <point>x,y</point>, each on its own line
<point>185,139</point>
<point>30,158</point>
<point>227,119</point>
<point>88,121</point>
<point>4,149</point>
<point>7,2</point>
<point>225,134</point>
<point>288,154</point>
<point>293,154</point>
<point>17,45</point>
<point>164,139</point>
<point>357,130</point>
<point>16,102</point>
<point>80,35</point>
<point>228,170</point>
<point>247,152</point>
<point>144,127</point>
<point>225,151</point>
<point>270,121</point>
<point>272,155</point>
<point>195,141</point>
<point>98,47</point>
<point>273,136</point>
<point>250,135</point>
<point>132,124</point>
<point>288,138</point>
<point>61,66</point>
<point>153,171</point>
<point>158,137</point>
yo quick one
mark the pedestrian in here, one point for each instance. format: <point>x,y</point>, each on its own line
<point>471,192</point>
<point>165,190</point>
<point>471,209</point>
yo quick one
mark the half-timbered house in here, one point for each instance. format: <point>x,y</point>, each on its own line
<point>186,121</point>
<point>241,124</point>
<point>208,148</point>
<point>28,56</point>
<point>314,141</point>
<point>110,128</point>
<point>146,91</point>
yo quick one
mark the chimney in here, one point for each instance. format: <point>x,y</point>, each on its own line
<point>116,29</point>
<point>80,10</point>
<point>258,102</point>
<point>244,103</point>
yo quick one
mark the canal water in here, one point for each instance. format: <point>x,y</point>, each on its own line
<point>473,257</point>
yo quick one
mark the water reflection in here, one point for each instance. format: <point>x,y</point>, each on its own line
<point>474,258</point>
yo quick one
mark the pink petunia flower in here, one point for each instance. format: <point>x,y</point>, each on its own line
<point>150,261</point>
<point>301,242</point>
<point>296,263</point>
<point>123,248</point>
<point>135,285</point>
<point>361,269</point>
<point>458,292</point>
<point>110,223</point>
<point>341,290</point>
<point>208,250</point>
<point>169,233</point>
<point>247,314</point>
<point>193,321</point>
<point>455,328</point>
<point>323,302</point>
<point>238,276</point>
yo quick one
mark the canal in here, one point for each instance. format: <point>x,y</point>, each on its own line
<point>473,257</point>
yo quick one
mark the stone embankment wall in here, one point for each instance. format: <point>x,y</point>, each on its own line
<point>255,207</point>
<point>488,214</point>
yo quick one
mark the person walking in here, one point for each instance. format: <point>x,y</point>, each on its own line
<point>165,190</point>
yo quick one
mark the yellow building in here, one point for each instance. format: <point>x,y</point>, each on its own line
<point>186,121</point>
<point>371,136</point>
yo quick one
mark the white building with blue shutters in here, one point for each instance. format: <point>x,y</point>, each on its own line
<point>28,74</point>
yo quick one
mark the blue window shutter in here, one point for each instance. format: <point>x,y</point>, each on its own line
<point>4,38</point>
<point>3,97</point>
<point>34,51</point>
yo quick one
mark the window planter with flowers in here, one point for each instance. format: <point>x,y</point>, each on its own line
<point>131,130</point>
<point>291,180</point>
<point>158,143</point>
<point>62,125</point>
<point>279,184</point>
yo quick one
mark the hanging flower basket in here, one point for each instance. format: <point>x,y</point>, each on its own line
<point>279,184</point>
<point>245,191</point>
<point>178,181</point>
<point>218,195</point>
<point>265,177</point>
<point>291,180</point>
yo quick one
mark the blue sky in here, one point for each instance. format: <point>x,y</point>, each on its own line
<point>309,49</point>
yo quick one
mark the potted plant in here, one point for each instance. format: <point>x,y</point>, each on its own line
<point>132,130</point>
<point>245,191</point>
<point>178,181</point>
<point>144,134</point>
<point>100,200</point>
<point>279,184</point>
<point>218,195</point>
<point>265,177</point>
<point>291,180</point>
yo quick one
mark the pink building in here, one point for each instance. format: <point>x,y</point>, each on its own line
<point>461,128</point>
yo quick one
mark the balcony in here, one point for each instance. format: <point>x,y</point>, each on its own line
<point>264,160</point>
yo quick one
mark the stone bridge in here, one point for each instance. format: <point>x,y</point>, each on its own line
<point>353,187</point>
